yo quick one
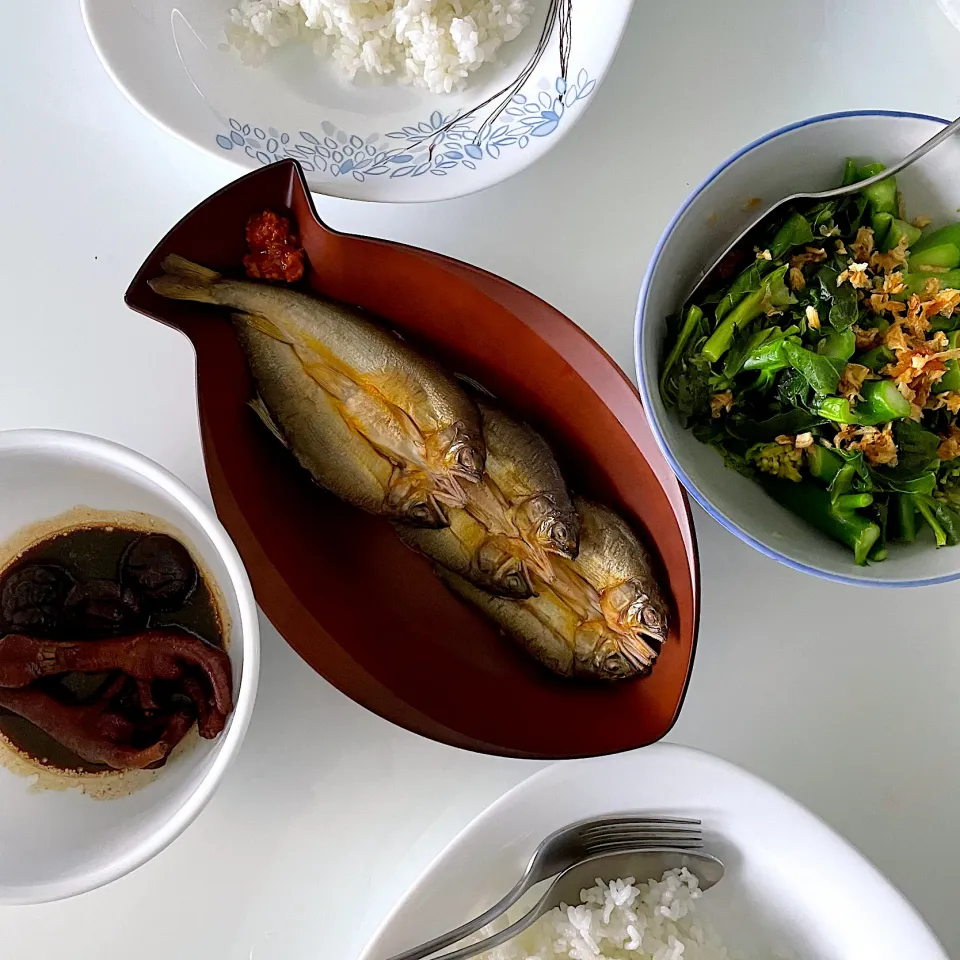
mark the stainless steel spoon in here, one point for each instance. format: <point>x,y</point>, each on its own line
<point>922,150</point>
<point>566,888</point>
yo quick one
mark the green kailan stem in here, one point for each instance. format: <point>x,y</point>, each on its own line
<point>771,294</point>
<point>690,324</point>
<point>812,503</point>
<point>882,402</point>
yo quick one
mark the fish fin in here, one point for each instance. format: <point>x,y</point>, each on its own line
<point>260,409</point>
<point>184,280</point>
<point>262,325</point>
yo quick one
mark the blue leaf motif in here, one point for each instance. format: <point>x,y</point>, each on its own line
<point>402,172</point>
<point>546,101</point>
<point>493,150</point>
<point>469,164</point>
<point>236,138</point>
<point>349,150</point>
<point>337,156</point>
<point>411,132</point>
<point>422,169</point>
<point>346,166</point>
<point>284,138</point>
<point>397,135</point>
<point>308,166</point>
<point>246,130</point>
<point>453,155</point>
<point>272,145</point>
<point>358,176</point>
<point>225,142</point>
<point>586,89</point>
<point>309,137</point>
<point>582,78</point>
<point>356,142</point>
<point>513,112</point>
<point>438,173</point>
<point>401,158</point>
<point>436,119</point>
<point>330,143</point>
<point>235,124</point>
<point>253,143</point>
<point>378,170</point>
<point>263,158</point>
<point>371,150</point>
<point>561,86</point>
<point>520,98</point>
<point>472,150</point>
<point>550,115</point>
<point>505,142</point>
<point>259,134</point>
<point>446,164</point>
<point>545,129</point>
<point>523,142</point>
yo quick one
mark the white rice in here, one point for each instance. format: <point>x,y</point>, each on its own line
<point>621,920</point>
<point>435,44</point>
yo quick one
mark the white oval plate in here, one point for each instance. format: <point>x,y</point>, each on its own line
<point>793,888</point>
<point>361,141</point>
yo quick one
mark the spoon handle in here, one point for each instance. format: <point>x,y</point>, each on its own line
<point>508,933</point>
<point>471,926</point>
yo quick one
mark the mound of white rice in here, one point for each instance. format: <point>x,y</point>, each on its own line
<point>620,920</point>
<point>435,44</point>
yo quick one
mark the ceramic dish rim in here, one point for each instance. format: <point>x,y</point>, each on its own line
<point>452,193</point>
<point>110,455</point>
<point>493,809</point>
<point>645,389</point>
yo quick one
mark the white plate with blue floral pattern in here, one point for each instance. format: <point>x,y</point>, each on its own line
<point>363,141</point>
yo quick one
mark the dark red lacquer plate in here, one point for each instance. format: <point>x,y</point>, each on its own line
<point>348,596</point>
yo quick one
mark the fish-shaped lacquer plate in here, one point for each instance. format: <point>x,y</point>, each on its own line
<point>349,596</point>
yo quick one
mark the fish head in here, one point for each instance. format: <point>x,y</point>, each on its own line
<point>411,500</point>
<point>631,607</point>
<point>462,451</point>
<point>501,567</point>
<point>553,528</point>
<point>603,654</point>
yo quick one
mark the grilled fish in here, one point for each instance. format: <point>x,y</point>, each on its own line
<point>551,632</point>
<point>615,564</point>
<point>524,470</point>
<point>493,562</point>
<point>306,419</point>
<point>409,411</point>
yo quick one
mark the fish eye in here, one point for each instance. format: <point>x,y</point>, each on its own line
<point>560,532</point>
<point>421,511</point>
<point>469,459</point>
<point>515,583</point>
<point>651,617</point>
<point>615,665</point>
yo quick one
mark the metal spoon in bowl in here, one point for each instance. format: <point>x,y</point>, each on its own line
<point>922,150</point>
<point>566,888</point>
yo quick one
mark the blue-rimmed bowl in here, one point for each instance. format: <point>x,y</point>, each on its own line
<point>803,156</point>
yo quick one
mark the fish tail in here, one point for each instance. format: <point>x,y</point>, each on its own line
<point>184,280</point>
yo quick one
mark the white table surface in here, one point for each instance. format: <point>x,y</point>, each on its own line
<point>846,699</point>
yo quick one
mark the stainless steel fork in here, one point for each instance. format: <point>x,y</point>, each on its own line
<point>569,845</point>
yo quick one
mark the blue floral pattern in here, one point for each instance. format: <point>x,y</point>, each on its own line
<point>437,145</point>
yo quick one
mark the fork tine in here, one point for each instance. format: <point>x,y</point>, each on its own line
<point>690,843</point>
<point>639,834</point>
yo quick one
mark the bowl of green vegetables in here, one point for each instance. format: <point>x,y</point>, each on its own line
<point>809,396</point>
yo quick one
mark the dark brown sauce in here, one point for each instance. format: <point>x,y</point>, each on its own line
<point>95,553</point>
